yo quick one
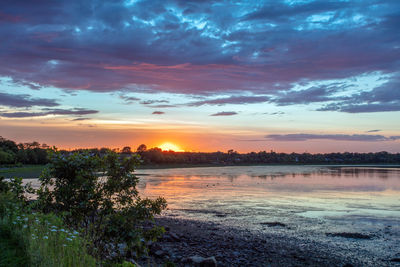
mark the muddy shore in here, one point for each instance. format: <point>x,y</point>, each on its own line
<point>186,238</point>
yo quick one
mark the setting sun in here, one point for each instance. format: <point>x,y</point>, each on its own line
<point>169,146</point>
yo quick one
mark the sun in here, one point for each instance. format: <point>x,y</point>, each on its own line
<point>169,146</point>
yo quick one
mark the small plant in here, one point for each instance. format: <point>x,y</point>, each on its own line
<point>97,194</point>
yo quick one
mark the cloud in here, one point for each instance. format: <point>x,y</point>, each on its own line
<point>336,137</point>
<point>264,49</point>
<point>158,113</point>
<point>163,106</point>
<point>150,102</point>
<point>189,48</point>
<point>45,111</point>
<point>373,131</point>
<point>384,98</point>
<point>274,113</point>
<point>129,99</point>
<point>224,113</point>
<point>25,100</point>
<point>80,119</point>
<point>310,95</point>
<point>231,100</point>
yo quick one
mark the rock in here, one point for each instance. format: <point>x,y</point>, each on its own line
<point>159,253</point>
<point>209,262</point>
<point>174,236</point>
<point>273,224</point>
<point>350,235</point>
<point>122,248</point>
<point>134,262</point>
<point>199,261</point>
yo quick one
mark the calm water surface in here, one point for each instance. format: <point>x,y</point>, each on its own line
<point>310,200</point>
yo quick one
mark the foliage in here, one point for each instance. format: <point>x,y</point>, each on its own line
<point>27,153</point>
<point>29,238</point>
<point>98,195</point>
<point>26,171</point>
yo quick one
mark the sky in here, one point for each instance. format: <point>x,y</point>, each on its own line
<point>285,75</point>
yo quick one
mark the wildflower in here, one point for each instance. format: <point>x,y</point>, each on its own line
<point>53,230</point>
<point>69,239</point>
<point>25,226</point>
<point>76,233</point>
<point>45,237</point>
<point>14,222</point>
<point>64,245</point>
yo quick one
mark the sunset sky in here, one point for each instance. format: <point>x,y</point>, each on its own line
<point>315,76</point>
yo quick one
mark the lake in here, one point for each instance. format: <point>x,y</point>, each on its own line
<point>356,208</point>
<point>307,202</point>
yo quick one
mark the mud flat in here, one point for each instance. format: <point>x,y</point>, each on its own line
<point>186,239</point>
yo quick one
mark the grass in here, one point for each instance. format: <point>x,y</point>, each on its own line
<point>26,171</point>
<point>35,239</point>
<point>12,248</point>
<point>40,240</point>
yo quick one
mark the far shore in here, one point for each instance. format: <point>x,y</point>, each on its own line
<point>34,171</point>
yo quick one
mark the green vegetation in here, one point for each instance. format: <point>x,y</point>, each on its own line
<point>29,238</point>
<point>26,171</point>
<point>88,213</point>
<point>97,194</point>
<point>23,153</point>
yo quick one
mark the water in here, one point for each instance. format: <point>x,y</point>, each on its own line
<point>311,201</point>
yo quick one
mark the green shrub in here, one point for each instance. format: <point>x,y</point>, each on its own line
<point>97,194</point>
<point>33,239</point>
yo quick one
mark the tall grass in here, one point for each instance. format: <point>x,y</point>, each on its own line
<point>45,241</point>
<point>35,239</point>
<point>29,238</point>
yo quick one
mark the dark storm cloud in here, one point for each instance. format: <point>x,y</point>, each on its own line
<point>25,100</point>
<point>336,137</point>
<point>224,113</point>
<point>45,111</point>
<point>203,47</point>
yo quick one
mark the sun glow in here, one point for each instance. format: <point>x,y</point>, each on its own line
<point>169,146</point>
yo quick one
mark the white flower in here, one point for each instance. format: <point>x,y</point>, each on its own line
<point>69,239</point>
<point>45,237</point>
<point>53,230</point>
<point>76,233</point>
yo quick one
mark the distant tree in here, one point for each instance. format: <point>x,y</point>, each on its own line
<point>141,148</point>
<point>32,145</point>
<point>126,150</point>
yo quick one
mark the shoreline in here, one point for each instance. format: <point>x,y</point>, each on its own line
<point>177,166</point>
<point>186,238</point>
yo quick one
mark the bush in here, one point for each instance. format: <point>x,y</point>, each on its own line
<point>97,194</point>
<point>29,238</point>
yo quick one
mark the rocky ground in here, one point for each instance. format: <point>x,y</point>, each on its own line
<point>193,243</point>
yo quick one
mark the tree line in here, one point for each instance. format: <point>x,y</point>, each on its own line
<point>35,153</point>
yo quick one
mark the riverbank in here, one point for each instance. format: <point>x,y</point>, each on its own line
<point>187,240</point>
